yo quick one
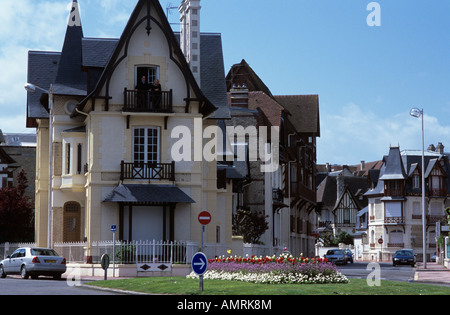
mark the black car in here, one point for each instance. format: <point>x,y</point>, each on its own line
<point>403,257</point>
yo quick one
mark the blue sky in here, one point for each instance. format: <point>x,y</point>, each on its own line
<point>367,78</point>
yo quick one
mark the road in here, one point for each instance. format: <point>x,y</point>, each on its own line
<point>13,285</point>
<point>387,271</point>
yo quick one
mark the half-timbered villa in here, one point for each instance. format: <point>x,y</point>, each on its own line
<point>395,205</point>
<point>106,143</point>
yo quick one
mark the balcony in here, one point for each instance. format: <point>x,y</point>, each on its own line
<point>146,102</point>
<point>147,171</point>
<point>437,192</point>
<point>394,220</point>
<point>300,190</point>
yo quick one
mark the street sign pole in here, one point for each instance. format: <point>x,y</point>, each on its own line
<point>199,266</point>
<point>204,218</point>
<point>200,283</point>
<point>113,230</point>
<point>203,232</point>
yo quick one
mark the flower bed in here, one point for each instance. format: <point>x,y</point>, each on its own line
<point>273,270</point>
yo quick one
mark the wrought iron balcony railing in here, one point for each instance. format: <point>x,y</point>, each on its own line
<point>146,101</point>
<point>147,171</point>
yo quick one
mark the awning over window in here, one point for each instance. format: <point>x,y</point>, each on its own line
<point>148,193</point>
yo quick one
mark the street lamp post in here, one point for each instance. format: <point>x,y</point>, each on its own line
<point>415,112</point>
<point>32,88</point>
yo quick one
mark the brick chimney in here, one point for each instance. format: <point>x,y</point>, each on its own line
<point>440,148</point>
<point>190,34</point>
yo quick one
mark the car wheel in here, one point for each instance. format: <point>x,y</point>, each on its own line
<point>2,272</point>
<point>24,273</point>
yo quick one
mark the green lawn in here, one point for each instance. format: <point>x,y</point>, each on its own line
<point>183,286</point>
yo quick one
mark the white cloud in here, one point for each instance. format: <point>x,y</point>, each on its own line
<point>26,25</point>
<point>14,124</point>
<point>355,134</point>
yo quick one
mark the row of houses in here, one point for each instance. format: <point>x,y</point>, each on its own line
<point>380,204</point>
<point>113,151</point>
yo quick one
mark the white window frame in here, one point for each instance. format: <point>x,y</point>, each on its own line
<point>146,144</point>
<point>151,78</point>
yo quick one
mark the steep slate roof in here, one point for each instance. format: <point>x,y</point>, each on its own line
<point>305,111</point>
<point>212,72</point>
<point>394,166</point>
<point>242,73</point>
<point>97,51</point>
<point>70,78</point>
<point>42,69</point>
<point>327,192</point>
<point>272,109</point>
<point>400,165</point>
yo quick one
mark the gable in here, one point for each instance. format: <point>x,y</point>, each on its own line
<point>149,40</point>
<point>346,201</point>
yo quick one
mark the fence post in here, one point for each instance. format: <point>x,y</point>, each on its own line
<point>136,252</point>
<point>153,250</point>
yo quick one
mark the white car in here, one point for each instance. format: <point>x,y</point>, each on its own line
<point>34,262</point>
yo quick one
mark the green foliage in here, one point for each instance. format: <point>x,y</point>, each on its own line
<point>250,225</point>
<point>330,240</point>
<point>16,212</point>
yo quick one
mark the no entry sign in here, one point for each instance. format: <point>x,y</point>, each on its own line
<point>204,218</point>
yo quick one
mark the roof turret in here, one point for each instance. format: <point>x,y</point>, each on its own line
<point>71,79</point>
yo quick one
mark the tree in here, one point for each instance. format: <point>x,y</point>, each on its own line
<point>344,237</point>
<point>16,212</point>
<point>250,225</point>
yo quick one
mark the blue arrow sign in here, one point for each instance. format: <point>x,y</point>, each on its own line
<point>199,263</point>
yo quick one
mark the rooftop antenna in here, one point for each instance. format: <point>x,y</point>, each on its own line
<point>169,8</point>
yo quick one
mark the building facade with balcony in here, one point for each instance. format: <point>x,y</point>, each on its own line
<point>395,205</point>
<point>287,196</point>
<point>111,141</point>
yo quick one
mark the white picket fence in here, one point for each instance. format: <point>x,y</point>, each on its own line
<point>124,252</point>
<point>138,252</point>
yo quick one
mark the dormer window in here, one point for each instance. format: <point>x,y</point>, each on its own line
<point>393,188</point>
<point>416,181</point>
<point>436,183</point>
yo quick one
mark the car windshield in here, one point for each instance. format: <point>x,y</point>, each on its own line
<point>43,252</point>
<point>334,252</point>
<point>403,253</point>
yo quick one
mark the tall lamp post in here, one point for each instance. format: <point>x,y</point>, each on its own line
<point>415,112</point>
<point>32,88</point>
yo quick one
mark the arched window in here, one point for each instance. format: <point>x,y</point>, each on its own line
<point>72,222</point>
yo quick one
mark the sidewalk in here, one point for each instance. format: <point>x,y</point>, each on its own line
<point>434,274</point>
